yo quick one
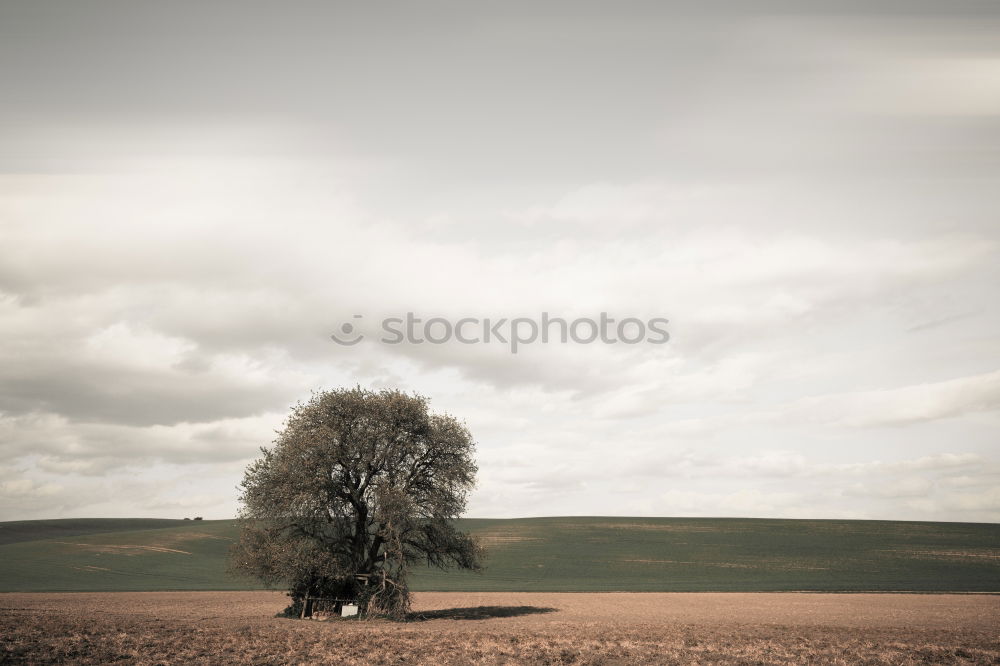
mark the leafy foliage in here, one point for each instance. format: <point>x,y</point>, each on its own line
<point>358,487</point>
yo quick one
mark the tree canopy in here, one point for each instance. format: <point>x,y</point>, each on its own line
<point>358,487</point>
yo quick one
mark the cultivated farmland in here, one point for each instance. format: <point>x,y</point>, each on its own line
<point>487,628</point>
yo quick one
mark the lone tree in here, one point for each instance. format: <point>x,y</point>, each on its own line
<point>358,487</point>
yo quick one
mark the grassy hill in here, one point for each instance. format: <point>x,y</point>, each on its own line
<point>33,530</point>
<point>544,554</point>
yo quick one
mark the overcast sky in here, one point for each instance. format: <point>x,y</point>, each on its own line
<point>194,196</point>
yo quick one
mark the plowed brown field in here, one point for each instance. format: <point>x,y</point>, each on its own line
<point>461,628</point>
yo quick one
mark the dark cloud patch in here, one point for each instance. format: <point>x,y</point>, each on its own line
<point>91,393</point>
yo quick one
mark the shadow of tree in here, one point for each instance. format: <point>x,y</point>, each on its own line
<point>477,613</point>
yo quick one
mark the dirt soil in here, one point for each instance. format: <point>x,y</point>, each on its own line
<point>506,627</point>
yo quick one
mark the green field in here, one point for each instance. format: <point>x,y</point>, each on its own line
<point>544,554</point>
<point>32,530</point>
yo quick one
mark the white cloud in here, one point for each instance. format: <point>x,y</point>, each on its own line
<point>59,445</point>
<point>945,86</point>
<point>911,486</point>
<point>903,405</point>
<point>984,501</point>
<point>735,504</point>
<point>819,229</point>
<point>26,488</point>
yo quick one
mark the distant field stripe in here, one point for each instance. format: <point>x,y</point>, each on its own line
<point>555,555</point>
